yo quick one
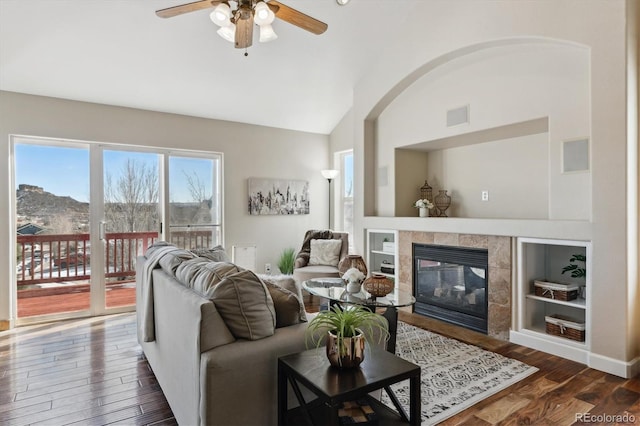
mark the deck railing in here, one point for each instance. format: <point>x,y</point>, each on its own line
<point>57,258</point>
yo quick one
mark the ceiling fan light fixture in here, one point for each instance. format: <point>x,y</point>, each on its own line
<point>221,15</point>
<point>267,34</point>
<point>228,33</point>
<point>262,15</point>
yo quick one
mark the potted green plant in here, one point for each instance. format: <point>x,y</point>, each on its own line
<point>346,330</point>
<point>576,270</point>
<point>286,261</point>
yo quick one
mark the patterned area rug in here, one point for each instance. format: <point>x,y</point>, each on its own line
<point>455,375</point>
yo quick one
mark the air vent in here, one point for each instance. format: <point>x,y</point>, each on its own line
<point>458,116</point>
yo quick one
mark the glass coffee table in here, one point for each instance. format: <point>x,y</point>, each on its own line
<point>335,291</point>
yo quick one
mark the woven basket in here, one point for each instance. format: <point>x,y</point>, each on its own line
<point>378,285</point>
<point>561,326</point>
<point>564,292</point>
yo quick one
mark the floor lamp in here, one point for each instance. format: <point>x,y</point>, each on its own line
<point>329,175</point>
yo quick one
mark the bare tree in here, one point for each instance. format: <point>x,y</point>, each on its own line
<point>196,187</point>
<point>131,201</point>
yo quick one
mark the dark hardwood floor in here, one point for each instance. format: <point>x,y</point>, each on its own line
<point>92,372</point>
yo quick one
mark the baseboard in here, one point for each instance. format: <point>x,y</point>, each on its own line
<point>625,369</point>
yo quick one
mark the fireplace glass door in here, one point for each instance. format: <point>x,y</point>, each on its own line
<point>451,284</point>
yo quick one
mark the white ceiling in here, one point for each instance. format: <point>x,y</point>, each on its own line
<point>119,52</point>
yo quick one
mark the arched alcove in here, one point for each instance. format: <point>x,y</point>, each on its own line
<point>526,97</point>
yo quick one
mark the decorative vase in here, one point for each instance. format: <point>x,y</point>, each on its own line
<point>352,261</point>
<point>424,212</point>
<point>353,287</point>
<point>442,202</point>
<point>346,352</point>
<point>378,285</point>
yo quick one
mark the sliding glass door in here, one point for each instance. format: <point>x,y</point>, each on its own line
<point>84,213</point>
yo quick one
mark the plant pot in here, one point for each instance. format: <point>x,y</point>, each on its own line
<point>424,212</point>
<point>347,352</point>
<point>353,287</point>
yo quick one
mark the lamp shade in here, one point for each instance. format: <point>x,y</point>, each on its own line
<point>262,15</point>
<point>352,261</point>
<point>228,33</point>
<point>267,34</point>
<point>329,173</point>
<point>221,15</point>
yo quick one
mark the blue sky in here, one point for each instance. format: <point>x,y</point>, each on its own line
<point>65,171</point>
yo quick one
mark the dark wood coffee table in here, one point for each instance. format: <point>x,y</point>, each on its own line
<point>332,386</point>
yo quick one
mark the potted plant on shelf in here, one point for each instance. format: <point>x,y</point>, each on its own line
<point>576,270</point>
<point>346,330</point>
<point>286,261</point>
<point>423,205</point>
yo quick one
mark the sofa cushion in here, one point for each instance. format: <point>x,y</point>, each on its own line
<point>289,309</point>
<point>201,274</point>
<point>187,270</point>
<point>310,272</point>
<point>245,305</point>
<point>325,252</point>
<point>169,262</point>
<point>217,254</point>
<point>288,283</point>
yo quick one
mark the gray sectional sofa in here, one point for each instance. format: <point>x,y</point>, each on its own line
<point>212,334</point>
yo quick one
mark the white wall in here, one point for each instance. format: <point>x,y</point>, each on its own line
<point>501,85</point>
<point>249,151</point>
<point>439,31</point>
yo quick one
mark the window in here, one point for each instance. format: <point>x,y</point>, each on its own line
<point>346,193</point>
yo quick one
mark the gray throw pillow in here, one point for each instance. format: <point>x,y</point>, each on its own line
<point>288,283</point>
<point>169,262</point>
<point>245,305</point>
<point>209,275</point>
<point>217,254</point>
<point>286,305</point>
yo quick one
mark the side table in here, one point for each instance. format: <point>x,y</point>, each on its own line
<point>333,386</point>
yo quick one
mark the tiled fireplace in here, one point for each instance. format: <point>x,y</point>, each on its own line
<point>499,270</point>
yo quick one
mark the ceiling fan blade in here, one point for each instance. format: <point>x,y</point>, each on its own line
<point>186,8</point>
<point>244,28</point>
<point>296,18</point>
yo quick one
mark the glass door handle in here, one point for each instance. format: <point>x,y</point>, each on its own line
<point>101,230</point>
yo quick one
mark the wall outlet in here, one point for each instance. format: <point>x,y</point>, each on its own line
<point>485,195</point>
<point>267,268</point>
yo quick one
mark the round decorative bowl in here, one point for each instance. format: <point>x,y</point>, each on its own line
<point>378,285</point>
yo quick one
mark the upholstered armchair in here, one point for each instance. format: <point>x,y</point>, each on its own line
<point>307,266</point>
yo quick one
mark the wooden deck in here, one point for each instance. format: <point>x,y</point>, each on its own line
<point>48,302</point>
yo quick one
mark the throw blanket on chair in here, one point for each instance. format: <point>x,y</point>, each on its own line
<point>155,252</point>
<point>305,252</point>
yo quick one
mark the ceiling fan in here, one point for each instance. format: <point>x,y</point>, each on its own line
<point>236,24</point>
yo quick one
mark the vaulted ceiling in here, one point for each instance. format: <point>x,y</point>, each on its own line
<point>118,52</point>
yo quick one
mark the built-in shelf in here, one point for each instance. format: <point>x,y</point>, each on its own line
<point>378,254</point>
<point>576,303</point>
<point>544,259</point>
